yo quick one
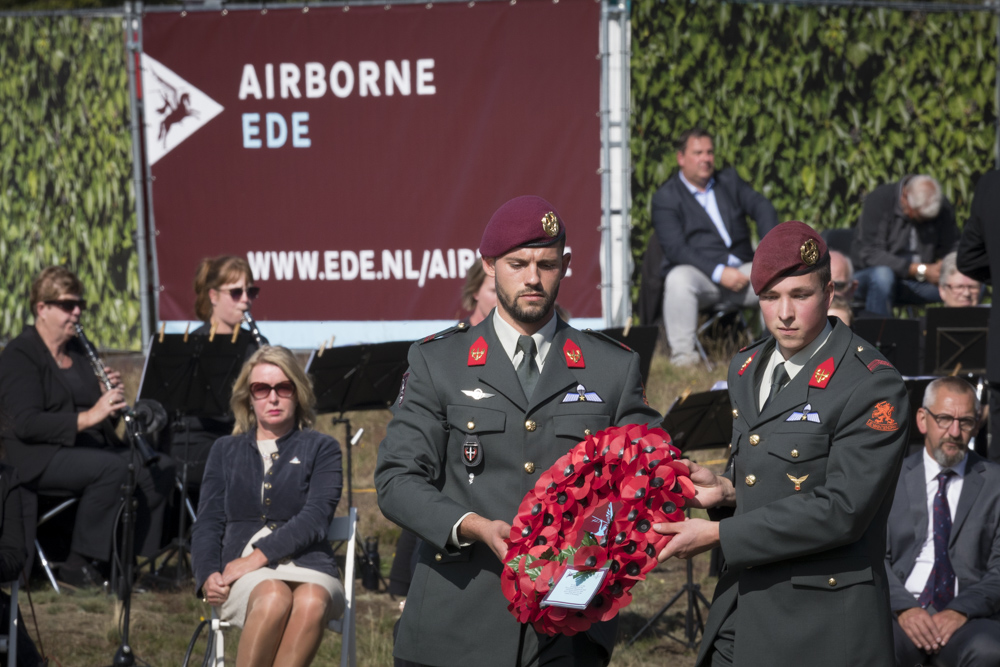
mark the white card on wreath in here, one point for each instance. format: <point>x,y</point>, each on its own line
<point>575,589</point>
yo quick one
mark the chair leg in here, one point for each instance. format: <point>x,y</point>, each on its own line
<point>12,627</point>
<point>47,567</point>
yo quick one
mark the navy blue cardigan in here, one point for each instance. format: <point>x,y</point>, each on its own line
<point>305,481</point>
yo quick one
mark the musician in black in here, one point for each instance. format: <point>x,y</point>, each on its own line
<point>224,291</point>
<point>60,429</point>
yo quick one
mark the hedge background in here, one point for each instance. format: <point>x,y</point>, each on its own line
<point>815,107</point>
<point>65,168</point>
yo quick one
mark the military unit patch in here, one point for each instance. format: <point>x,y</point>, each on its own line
<point>574,355</point>
<point>472,452</point>
<point>821,376</point>
<point>747,363</point>
<point>882,417</point>
<point>477,353</point>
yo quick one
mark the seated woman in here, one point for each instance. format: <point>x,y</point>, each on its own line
<point>479,296</point>
<point>224,290</point>
<point>61,435</point>
<point>269,493</point>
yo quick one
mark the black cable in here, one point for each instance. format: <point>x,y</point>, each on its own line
<point>194,639</point>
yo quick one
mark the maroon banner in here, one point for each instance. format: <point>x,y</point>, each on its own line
<point>355,156</point>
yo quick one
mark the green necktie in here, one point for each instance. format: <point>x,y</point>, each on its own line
<point>527,372</point>
<point>778,380</point>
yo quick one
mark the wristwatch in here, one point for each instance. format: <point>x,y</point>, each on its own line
<point>921,272</point>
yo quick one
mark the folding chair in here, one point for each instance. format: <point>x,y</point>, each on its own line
<point>8,642</point>
<point>61,507</point>
<point>342,529</point>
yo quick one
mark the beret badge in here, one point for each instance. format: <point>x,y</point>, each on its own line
<point>809,252</point>
<point>550,224</point>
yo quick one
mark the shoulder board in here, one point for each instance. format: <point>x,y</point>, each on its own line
<point>606,337</point>
<point>754,344</point>
<point>870,356</point>
<point>461,326</point>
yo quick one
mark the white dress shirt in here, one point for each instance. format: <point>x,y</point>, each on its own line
<point>917,580</point>
<point>708,202</point>
<point>793,365</point>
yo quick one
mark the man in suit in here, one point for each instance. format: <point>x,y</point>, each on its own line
<point>700,219</point>
<point>484,411</point>
<point>978,255</point>
<point>819,430</point>
<point>906,228</point>
<point>943,555</point>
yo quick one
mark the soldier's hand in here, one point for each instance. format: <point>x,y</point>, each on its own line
<point>690,538</point>
<point>710,490</point>
<point>947,622</point>
<point>475,528</point>
<point>733,279</point>
<point>919,626</point>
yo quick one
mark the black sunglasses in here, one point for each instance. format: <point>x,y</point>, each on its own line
<point>261,390</point>
<point>67,305</point>
<point>237,293</point>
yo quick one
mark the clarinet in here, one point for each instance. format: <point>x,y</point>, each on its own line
<point>254,331</point>
<point>132,426</point>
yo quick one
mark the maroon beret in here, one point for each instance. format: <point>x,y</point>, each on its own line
<point>526,221</point>
<point>790,249</point>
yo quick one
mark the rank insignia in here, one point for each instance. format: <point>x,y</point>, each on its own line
<point>550,224</point>
<point>477,394</point>
<point>746,363</point>
<point>477,353</point>
<point>804,415</point>
<point>582,395</point>
<point>821,376</point>
<point>573,354</point>
<point>797,481</point>
<point>809,252</point>
<point>882,417</point>
<point>472,451</point>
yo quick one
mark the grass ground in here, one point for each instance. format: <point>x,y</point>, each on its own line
<point>79,629</point>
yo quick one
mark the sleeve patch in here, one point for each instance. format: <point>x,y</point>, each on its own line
<point>875,363</point>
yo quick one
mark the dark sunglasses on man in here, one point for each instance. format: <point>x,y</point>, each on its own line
<point>67,305</point>
<point>262,390</point>
<point>237,292</point>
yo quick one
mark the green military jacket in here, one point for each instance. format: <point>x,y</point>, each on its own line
<point>461,388</point>
<point>814,476</point>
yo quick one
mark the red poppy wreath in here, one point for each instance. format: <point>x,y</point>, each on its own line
<point>592,512</point>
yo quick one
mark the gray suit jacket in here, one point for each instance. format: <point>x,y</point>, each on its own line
<point>805,548</point>
<point>456,614</point>
<point>974,547</point>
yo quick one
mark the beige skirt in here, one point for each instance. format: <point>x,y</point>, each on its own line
<point>234,609</point>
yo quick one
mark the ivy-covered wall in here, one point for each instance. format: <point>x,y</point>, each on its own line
<point>814,106</point>
<point>65,170</point>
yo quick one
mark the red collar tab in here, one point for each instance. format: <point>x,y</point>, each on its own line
<point>746,363</point>
<point>477,353</point>
<point>821,376</point>
<point>573,354</point>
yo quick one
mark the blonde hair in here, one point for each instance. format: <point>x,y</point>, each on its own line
<point>473,281</point>
<point>213,273</point>
<point>52,283</point>
<point>283,358</point>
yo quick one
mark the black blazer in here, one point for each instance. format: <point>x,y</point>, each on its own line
<point>687,234</point>
<point>37,402</point>
<point>979,254</point>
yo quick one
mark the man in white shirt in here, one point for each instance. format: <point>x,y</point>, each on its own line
<point>700,219</point>
<point>943,555</point>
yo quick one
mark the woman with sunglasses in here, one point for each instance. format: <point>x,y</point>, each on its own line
<point>224,290</point>
<point>259,547</point>
<point>61,437</point>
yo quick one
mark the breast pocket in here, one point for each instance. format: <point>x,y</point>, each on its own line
<point>578,426</point>
<point>475,420</point>
<point>805,456</point>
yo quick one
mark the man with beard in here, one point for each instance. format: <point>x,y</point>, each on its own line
<point>482,412</point>
<point>943,556</point>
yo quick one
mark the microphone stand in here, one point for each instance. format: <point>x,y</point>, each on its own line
<point>124,656</point>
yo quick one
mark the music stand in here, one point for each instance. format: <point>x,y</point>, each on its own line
<point>642,339</point>
<point>696,421</point>
<point>191,376</point>
<point>897,340</point>
<point>957,339</point>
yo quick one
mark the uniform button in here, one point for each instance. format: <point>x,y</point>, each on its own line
<point>471,426</point>
<point>529,467</point>
<point>263,518</point>
<point>274,457</point>
<point>736,413</point>
<point>267,485</point>
<point>273,526</point>
<point>461,325</point>
<point>438,557</point>
<point>751,480</point>
<point>530,425</point>
<point>795,453</point>
<point>267,501</point>
<point>832,582</point>
<point>270,472</point>
<point>754,439</point>
<point>860,349</point>
<point>586,431</point>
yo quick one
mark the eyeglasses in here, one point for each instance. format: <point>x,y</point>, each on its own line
<point>262,390</point>
<point>964,289</point>
<point>67,305</point>
<point>944,421</point>
<point>237,293</point>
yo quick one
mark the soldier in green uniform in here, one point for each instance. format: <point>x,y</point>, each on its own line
<point>481,413</point>
<point>820,423</point>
